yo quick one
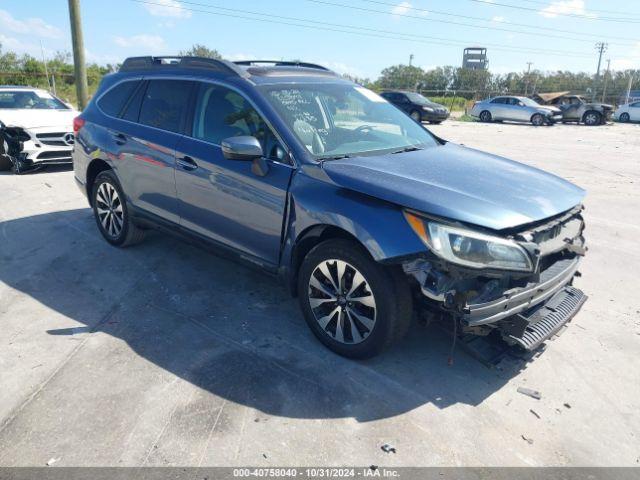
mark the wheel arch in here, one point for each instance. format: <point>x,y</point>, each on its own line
<point>94,168</point>
<point>311,237</point>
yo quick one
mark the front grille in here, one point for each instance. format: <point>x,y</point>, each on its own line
<point>61,154</point>
<point>557,234</point>
<point>54,139</point>
<point>544,321</point>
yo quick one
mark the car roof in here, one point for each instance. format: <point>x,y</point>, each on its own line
<point>256,71</point>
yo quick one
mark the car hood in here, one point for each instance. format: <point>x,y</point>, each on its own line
<point>548,108</point>
<point>459,183</point>
<point>34,118</point>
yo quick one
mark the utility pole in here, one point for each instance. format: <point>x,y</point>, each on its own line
<point>410,59</point>
<point>606,80</point>
<point>78,53</point>
<point>601,47</point>
<point>526,83</point>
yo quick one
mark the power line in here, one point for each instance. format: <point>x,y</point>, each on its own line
<point>468,17</point>
<point>563,14</point>
<point>546,4</point>
<point>362,31</point>
<point>486,27</point>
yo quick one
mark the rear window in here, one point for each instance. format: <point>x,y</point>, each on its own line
<point>115,99</point>
<point>165,103</point>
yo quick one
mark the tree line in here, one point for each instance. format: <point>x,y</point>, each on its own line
<point>470,84</point>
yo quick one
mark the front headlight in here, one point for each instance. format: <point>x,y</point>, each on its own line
<point>427,109</point>
<point>469,248</point>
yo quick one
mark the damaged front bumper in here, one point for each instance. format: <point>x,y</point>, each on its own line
<point>31,149</point>
<point>526,309</point>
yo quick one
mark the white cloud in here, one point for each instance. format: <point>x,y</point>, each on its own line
<point>498,19</point>
<point>143,41</point>
<point>630,61</point>
<point>32,26</point>
<point>167,8</point>
<point>401,9</point>
<point>572,7</point>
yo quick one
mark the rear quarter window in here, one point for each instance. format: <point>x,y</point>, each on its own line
<point>116,98</point>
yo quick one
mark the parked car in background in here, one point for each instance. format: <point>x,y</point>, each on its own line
<point>628,113</point>
<point>364,214</point>
<point>515,109</point>
<point>417,106</point>
<point>577,109</point>
<point>40,124</point>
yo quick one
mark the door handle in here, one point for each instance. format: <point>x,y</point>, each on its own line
<point>187,163</point>
<point>119,138</point>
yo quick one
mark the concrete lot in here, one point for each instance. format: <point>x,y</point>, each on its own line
<point>163,354</point>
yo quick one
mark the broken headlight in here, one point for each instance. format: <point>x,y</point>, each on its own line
<point>469,248</point>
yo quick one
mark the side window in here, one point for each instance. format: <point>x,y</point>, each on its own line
<point>115,99</point>
<point>132,108</point>
<point>165,103</point>
<point>499,100</point>
<point>635,105</point>
<point>221,113</point>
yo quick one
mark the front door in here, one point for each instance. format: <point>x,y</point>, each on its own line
<point>223,199</point>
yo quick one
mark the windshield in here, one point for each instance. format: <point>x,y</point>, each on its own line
<point>27,99</point>
<point>417,98</point>
<point>338,120</point>
<point>529,103</point>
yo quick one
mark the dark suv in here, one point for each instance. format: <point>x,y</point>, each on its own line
<point>366,215</point>
<point>418,107</point>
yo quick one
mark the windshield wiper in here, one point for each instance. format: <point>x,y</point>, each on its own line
<point>407,149</point>
<point>335,157</point>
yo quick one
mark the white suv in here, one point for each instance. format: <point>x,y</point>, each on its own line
<point>36,129</point>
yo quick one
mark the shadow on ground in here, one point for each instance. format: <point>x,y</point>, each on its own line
<point>227,329</point>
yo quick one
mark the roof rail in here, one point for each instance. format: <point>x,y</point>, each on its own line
<point>200,63</point>
<point>281,63</point>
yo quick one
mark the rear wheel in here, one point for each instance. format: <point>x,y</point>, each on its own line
<point>111,212</point>
<point>624,118</point>
<point>485,116</point>
<point>416,116</point>
<point>592,118</point>
<point>537,120</point>
<point>353,305</point>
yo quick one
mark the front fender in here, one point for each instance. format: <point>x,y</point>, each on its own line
<point>378,225</point>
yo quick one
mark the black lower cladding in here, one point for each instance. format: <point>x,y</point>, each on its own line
<point>532,327</point>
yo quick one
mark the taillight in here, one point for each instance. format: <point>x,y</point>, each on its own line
<point>78,123</point>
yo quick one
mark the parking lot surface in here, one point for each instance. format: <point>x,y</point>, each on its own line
<point>163,354</point>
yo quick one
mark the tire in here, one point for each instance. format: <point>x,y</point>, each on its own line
<point>5,161</point>
<point>624,118</point>
<point>381,318</point>
<point>592,118</point>
<point>537,120</point>
<point>416,116</point>
<point>485,116</point>
<point>111,211</point>
<point>435,122</point>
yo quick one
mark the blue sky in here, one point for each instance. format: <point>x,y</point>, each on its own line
<point>382,32</point>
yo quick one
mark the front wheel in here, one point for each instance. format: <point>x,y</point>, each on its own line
<point>624,118</point>
<point>111,212</point>
<point>537,120</point>
<point>592,118</point>
<point>353,305</point>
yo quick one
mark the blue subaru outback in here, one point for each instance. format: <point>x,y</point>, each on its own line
<point>367,216</point>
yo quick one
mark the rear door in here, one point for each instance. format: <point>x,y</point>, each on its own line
<point>222,199</point>
<point>146,158</point>
<point>499,108</point>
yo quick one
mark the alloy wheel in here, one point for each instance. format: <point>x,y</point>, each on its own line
<point>591,119</point>
<point>485,116</point>
<point>342,301</point>
<point>624,117</point>
<point>109,209</point>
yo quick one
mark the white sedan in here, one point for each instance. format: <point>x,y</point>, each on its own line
<point>628,113</point>
<point>37,129</point>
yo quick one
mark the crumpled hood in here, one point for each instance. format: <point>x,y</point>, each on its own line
<point>459,183</point>
<point>34,118</point>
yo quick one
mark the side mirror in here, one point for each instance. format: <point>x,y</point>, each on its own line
<point>243,147</point>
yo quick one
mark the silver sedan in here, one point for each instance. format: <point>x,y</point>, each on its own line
<point>516,109</point>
